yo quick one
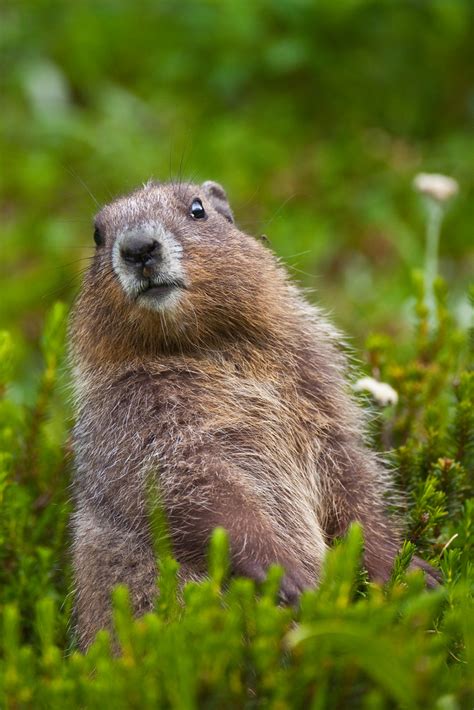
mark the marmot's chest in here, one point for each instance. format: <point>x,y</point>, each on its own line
<point>123,424</point>
<point>255,429</point>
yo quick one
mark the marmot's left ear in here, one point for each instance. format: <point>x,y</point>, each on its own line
<point>216,195</point>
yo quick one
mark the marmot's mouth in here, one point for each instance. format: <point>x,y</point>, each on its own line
<point>158,290</point>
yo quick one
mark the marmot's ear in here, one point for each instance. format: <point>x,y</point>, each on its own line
<point>216,194</point>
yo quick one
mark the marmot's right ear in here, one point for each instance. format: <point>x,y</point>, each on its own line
<point>216,194</point>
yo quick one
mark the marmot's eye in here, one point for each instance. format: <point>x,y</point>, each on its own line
<point>197,210</point>
<point>98,238</point>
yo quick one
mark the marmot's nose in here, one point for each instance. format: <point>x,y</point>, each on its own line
<point>140,250</point>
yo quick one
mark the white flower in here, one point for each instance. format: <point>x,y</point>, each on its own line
<point>383,393</point>
<point>438,187</point>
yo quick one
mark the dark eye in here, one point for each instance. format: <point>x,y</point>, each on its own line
<point>197,211</point>
<point>98,238</point>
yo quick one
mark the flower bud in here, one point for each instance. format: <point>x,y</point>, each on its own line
<point>438,187</point>
<point>383,393</point>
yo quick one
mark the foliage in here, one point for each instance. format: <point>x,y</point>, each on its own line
<point>349,644</point>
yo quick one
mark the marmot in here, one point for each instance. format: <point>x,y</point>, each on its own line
<point>197,361</point>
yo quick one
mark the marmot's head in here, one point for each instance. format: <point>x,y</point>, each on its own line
<point>171,263</point>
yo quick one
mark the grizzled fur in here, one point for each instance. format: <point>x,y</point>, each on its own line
<point>230,391</point>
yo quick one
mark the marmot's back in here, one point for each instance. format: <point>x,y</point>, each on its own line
<point>197,362</point>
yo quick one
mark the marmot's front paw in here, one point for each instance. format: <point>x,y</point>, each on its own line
<point>432,576</point>
<point>290,590</point>
<point>291,585</point>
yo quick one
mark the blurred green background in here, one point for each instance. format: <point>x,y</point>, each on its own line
<point>315,115</point>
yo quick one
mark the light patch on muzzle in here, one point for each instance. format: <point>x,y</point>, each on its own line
<point>169,270</point>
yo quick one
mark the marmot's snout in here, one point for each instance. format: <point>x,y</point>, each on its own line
<point>147,261</point>
<point>142,252</point>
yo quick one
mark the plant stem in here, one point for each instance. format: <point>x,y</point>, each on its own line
<point>433,230</point>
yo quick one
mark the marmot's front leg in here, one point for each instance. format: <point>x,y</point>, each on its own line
<point>104,556</point>
<point>197,507</point>
<point>357,497</point>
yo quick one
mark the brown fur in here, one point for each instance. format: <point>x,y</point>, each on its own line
<point>234,399</point>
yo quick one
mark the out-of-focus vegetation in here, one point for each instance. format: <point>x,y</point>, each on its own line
<point>315,115</point>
